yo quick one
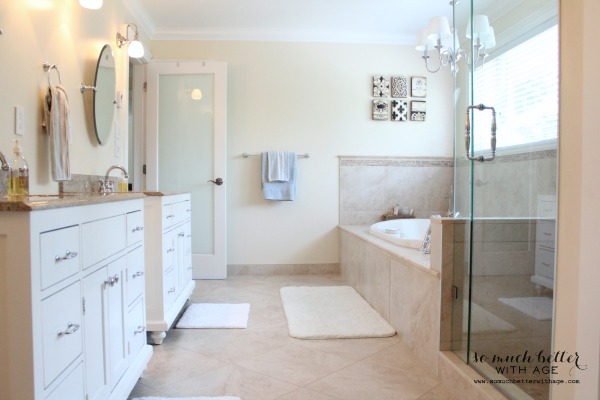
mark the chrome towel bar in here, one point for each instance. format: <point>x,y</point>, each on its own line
<point>246,155</point>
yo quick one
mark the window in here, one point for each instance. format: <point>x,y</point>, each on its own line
<point>522,85</point>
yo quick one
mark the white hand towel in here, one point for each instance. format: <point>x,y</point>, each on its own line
<point>56,114</point>
<point>278,166</point>
<point>280,190</point>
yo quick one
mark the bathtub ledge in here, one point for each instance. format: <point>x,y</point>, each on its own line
<point>411,257</point>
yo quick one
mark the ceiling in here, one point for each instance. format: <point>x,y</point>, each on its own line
<point>336,21</point>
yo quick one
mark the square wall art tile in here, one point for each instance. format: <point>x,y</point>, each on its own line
<point>418,86</point>
<point>418,110</point>
<point>381,86</point>
<point>399,110</point>
<point>380,110</point>
<point>399,86</point>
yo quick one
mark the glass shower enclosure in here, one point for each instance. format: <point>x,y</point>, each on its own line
<point>506,130</point>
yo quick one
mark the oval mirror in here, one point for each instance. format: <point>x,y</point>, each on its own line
<point>104,95</point>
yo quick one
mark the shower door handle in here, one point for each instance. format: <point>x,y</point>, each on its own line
<point>480,158</point>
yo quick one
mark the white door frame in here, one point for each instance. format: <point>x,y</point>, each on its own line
<point>205,266</point>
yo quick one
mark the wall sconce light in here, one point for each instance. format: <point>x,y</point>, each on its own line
<point>439,36</point>
<point>136,48</point>
<point>91,4</point>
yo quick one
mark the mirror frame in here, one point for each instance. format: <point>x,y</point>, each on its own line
<point>104,100</point>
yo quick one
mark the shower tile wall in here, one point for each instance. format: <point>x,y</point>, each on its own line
<point>370,186</point>
<point>519,178</point>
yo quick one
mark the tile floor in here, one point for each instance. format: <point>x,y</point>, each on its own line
<point>263,362</point>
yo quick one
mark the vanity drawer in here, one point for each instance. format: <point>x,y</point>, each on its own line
<point>102,239</point>
<point>545,233</point>
<point>544,262</point>
<point>135,227</point>
<point>61,333</point>
<point>181,211</point>
<point>59,255</point>
<point>135,274</point>
<point>168,216</point>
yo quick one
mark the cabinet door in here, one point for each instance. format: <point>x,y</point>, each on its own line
<point>105,352</point>
<point>168,251</point>
<point>94,322</point>
<point>117,353</point>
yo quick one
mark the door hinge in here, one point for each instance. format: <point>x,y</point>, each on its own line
<point>454,292</point>
<point>83,304</point>
<point>145,86</point>
<point>144,169</point>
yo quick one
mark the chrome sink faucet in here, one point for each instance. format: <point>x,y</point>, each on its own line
<point>106,185</point>
<point>4,162</point>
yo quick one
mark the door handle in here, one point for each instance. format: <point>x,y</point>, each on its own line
<point>480,158</point>
<point>217,181</point>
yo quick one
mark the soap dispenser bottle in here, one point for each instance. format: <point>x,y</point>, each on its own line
<point>18,181</point>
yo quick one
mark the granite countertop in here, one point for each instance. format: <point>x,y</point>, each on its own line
<point>51,201</point>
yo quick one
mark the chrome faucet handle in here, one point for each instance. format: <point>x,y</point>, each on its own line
<point>106,186</point>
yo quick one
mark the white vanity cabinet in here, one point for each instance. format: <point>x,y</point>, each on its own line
<point>169,260</point>
<point>545,243</point>
<point>72,301</point>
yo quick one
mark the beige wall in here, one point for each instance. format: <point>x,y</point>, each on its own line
<point>309,98</point>
<point>71,37</point>
<point>577,321</point>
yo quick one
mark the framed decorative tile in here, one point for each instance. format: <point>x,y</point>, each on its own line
<point>399,86</point>
<point>418,110</point>
<point>381,86</point>
<point>418,86</point>
<point>380,110</point>
<point>399,110</point>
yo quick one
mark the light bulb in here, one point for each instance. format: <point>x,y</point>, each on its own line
<point>136,49</point>
<point>91,4</point>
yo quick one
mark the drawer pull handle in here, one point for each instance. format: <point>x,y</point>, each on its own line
<point>71,329</point>
<point>68,255</point>
<point>137,229</point>
<point>112,280</point>
<point>547,234</point>
<point>140,329</point>
<point>170,250</point>
<point>139,273</point>
<point>170,216</point>
<point>545,264</point>
<point>172,290</point>
<point>181,234</point>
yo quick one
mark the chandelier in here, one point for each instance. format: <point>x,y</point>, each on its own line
<point>440,42</point>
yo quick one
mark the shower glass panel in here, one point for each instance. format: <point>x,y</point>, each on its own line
<point>506,207</point>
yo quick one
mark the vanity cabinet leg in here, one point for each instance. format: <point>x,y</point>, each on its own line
<point>157,337</point>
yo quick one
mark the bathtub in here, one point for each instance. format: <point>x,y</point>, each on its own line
<point>404,232</point>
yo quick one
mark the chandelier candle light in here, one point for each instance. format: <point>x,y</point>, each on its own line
<point>439,36</point>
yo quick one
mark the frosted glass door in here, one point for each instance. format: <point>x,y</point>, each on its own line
<point>185,148</point>
<point>186,151</point>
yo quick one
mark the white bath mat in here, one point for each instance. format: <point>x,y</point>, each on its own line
<point>187,398</point>
<point>539,308</point>
<point>331,312</point>
<point>208,315</point>
<point>483,321</point>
